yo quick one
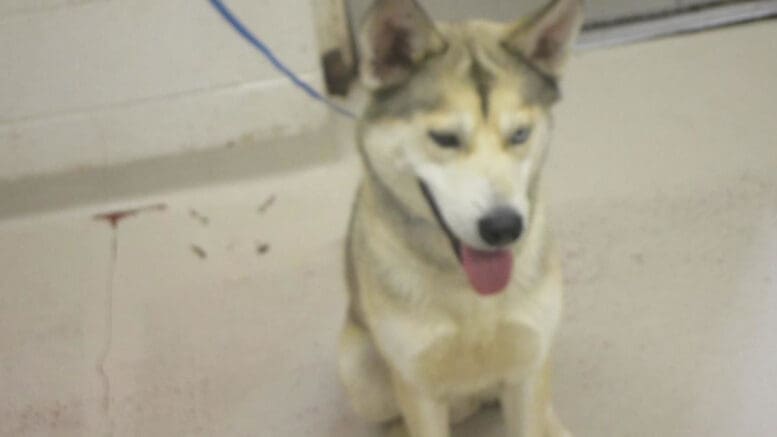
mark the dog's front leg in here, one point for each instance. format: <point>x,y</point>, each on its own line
<point>523,408</point>
<point>423,415</point>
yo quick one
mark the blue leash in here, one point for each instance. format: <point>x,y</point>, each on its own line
<point>277,63</point>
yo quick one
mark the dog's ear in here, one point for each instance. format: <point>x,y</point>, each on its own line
<point>545,39</point>
<point>396,36</point>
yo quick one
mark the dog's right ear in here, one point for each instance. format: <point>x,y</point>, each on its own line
<point>547,38</point>
<point>396,36</point>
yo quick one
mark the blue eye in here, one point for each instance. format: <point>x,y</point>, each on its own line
<point>520,136</point>
<point>445,139</point>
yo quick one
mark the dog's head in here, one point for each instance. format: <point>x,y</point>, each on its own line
<point>459,120</point>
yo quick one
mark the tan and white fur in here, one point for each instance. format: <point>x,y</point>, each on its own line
<point>457,127</point>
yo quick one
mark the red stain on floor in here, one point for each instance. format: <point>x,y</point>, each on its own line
<point>115,217</point>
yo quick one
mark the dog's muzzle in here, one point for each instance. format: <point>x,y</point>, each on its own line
<point>489,272</point>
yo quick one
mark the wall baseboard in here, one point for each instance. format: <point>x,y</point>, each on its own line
<point>605,34</point>
<point>123,183</point>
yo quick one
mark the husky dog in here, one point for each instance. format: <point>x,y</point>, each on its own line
<point>454,278</point>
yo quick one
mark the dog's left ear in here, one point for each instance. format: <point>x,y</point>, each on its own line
<point>545,40</point>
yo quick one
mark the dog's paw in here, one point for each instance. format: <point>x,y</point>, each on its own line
<point>397,430</point>
<point>558,432</point>
<point>553,426</point>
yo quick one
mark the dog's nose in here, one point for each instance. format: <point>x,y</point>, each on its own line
<point>501,227</point>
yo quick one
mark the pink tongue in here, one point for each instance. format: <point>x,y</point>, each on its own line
<point>489,272</point>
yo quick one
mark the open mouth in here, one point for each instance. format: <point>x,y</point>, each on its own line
<point>488,271</point>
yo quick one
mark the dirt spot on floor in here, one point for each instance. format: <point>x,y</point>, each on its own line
<point>199,252</point>
<point>267,204</point>
<point>201,218</point>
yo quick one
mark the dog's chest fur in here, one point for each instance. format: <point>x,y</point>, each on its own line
<point>478,353</point>
<point>433,329</point>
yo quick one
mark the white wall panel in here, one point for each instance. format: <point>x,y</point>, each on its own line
<point>103,53</point>
<point>11,7</point>
<point>106,81</point>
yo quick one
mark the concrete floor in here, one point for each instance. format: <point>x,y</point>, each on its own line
<point>217,315</point>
